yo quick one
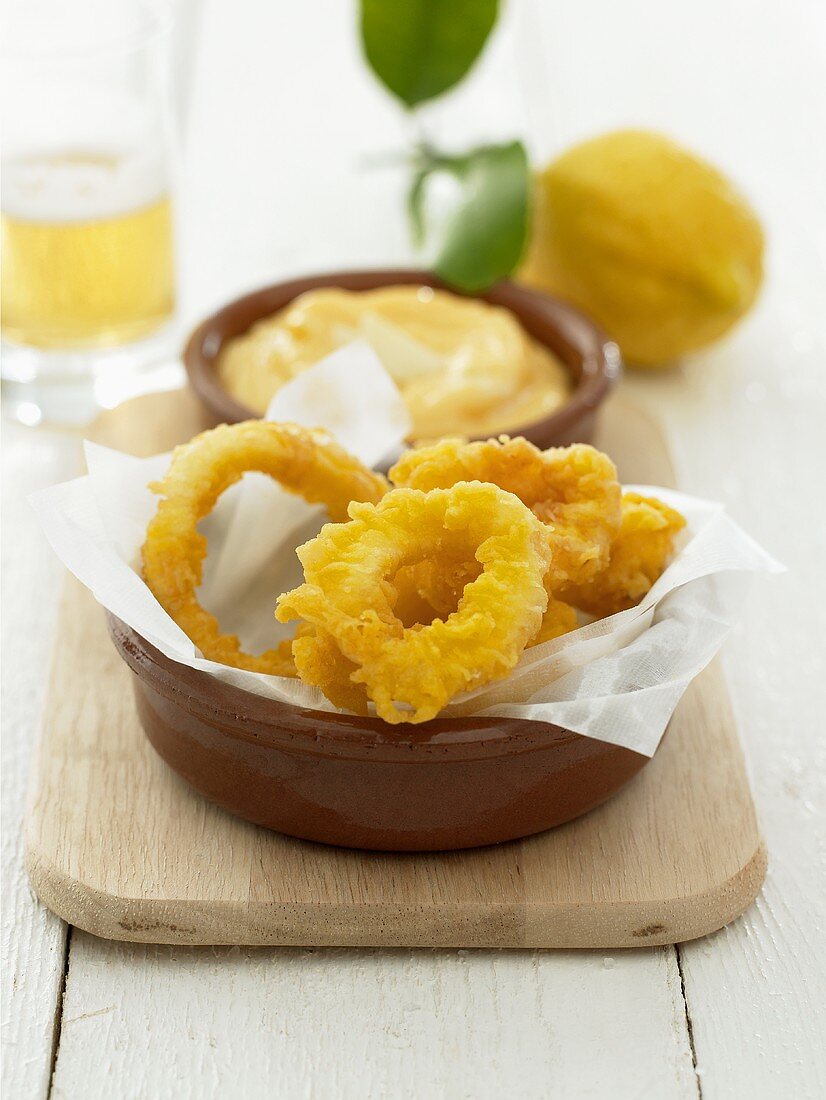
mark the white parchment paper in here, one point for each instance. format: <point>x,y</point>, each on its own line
<point>618,679</point>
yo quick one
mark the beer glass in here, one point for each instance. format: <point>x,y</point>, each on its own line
<point>85,197</point>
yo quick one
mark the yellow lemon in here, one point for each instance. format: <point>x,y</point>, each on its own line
<point>651,241</point>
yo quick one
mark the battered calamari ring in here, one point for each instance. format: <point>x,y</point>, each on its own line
<point>437,582</point>
<point>573,490</point>
<point>305,461</point>
<point>638,556</point>
<point>317,655</point>
<point>444,583</point>
<point>348,598</point>
<point>559,619</point>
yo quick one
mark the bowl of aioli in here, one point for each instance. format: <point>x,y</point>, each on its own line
<point>531,365</point>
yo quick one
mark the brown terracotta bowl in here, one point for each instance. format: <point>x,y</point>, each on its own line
<point>359,782</point>
<point>591,358</point>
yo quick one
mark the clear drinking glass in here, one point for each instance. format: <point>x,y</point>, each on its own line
<point>88,286</point>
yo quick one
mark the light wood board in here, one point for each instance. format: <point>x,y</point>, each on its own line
<point>120,846</point>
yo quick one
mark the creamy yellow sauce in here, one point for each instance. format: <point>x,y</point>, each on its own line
<point>463,366</point>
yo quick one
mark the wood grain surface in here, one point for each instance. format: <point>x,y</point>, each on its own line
<point>120,846</point>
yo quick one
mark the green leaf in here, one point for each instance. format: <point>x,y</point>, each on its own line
<point>485,238</point>
<point>421,48</point>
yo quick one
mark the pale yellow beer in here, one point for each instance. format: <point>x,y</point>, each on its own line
<point>87,251</point>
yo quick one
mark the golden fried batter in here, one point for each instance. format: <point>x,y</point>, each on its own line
<point>321,663</point>
<point>638,556</point>
<point>560,618</point>
<point>427,590</point>
<point>303,460</point>
<point>410,673</point>
<point>573,490</point>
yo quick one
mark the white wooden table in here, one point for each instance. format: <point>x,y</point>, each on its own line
<point>282,114</point>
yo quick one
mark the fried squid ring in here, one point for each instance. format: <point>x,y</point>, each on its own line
<point>436,582</point>
<point>444,583</point>
<point>559,619</point>
<point>348,597</point>
<point>638,556</point>
<point>573,490</point>
<point>305,461</point>
<point>322,664</point>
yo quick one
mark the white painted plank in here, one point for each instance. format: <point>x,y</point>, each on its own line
<point>750,429</point>
<point>746,421</point>
<point>759,987</point>
<point>33,941</point>
<point>143,1021</point>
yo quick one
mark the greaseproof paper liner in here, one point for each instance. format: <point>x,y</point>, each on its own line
<point>618,679</point>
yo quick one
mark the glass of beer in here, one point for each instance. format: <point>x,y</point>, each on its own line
<point>88,288</point>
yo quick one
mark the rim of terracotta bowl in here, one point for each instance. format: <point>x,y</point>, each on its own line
<point>243,715</point>
<point>592,360</point>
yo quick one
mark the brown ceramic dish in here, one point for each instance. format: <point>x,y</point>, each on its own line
<point>591,358</point>
<point>358,782</point>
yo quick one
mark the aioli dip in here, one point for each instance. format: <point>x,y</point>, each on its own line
<point>464,367</point>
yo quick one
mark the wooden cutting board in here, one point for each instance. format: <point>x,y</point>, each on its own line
<point>118,845</point>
